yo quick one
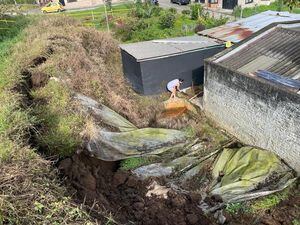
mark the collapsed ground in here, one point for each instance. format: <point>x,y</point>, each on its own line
<point>40,74</point>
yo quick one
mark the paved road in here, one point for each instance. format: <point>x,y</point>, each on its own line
<point>168,4</point>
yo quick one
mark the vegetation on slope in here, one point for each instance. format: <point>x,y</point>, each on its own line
<point>30,192</point>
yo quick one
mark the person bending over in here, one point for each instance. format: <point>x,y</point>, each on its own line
<point>173,86</point>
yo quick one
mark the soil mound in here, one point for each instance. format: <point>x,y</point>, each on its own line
<point>124,194</point>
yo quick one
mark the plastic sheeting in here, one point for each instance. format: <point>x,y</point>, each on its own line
<point>248,172</point>
<point>276,78</point>
<point>104,113</point>
<point>113,146</point>
<point>131,141</point>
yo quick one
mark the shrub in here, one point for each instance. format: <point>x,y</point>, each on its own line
<point>145,10</point>
<point>173,10</point>
<point>167,20</point>
<point>209,22</point>
<point>186,12</point>
<point>196,11</point>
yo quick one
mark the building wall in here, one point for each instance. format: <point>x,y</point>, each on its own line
<point>156,73</point>
<point>132,71</point>
<point>255,111</point>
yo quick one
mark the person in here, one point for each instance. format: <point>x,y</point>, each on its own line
<point>173,86</point>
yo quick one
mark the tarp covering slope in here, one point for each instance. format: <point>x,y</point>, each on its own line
<point>113,146</point>
<point>131,141</point>
<point>104,113</point>
<point>248,172</point>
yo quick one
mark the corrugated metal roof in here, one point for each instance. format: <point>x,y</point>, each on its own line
<point>239,30</point>
<point>166,47</point>
<point>277,51</point>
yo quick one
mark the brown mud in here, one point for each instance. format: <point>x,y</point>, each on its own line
<point>122,194</point>
<point>104,188</point>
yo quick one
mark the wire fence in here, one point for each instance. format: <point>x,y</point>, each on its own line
<point>96,18</point>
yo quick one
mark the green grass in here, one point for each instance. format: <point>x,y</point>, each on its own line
<point>96,17</point>
<point>296,222</point>
<point>14,121</point>
<point>236,208</point>
<point>60,125</point>
<point>274,6</point>
<point>269,201</point>
<point>259,205</point>
<point>133,163</point>
<point>141,29</point>
<point>30,191</point>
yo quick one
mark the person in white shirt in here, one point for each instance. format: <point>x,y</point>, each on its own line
<point>173,86</point>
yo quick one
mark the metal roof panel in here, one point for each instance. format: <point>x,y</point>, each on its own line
<point>166,47</point>
<point>241,29</point>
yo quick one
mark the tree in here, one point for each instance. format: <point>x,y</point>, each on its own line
<point>291,4</point>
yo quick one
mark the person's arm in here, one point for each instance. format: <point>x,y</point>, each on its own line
<point>178,87</point>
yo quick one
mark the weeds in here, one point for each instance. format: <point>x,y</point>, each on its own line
<point>269,201</point>
<point>236,208</point>
<point>60,126</point>
<point>30,192</point>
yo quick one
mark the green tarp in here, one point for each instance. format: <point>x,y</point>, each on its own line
<point>130,141</point>
<point>248,172</point>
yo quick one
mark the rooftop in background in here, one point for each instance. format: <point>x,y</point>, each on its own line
<point>167,47</point>
<point>276,51</point>
<point>241,29</point>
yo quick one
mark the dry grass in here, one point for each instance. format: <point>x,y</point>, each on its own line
<point>89,62</point>
<point>30,193</point>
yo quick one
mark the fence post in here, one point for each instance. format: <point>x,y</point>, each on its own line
<point>106,15</point>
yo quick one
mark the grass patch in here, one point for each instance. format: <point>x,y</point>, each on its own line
<point>14,120</point>
<point>133,163</point>
<point>296,222</point>
<point>270,201</point>
<point>60,125</point>
<point>129,28</point>
<point>237,208</point>
<point>30,192</point>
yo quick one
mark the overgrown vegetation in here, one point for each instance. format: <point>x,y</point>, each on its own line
<point>274,6</point>
<point>30,192</point>
<point>145,21</point>
<point>60,126</point>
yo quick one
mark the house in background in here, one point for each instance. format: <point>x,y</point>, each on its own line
<point>230,4</point>
<point>253,91</point>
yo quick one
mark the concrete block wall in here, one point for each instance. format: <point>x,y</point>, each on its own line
<point>256,112</point>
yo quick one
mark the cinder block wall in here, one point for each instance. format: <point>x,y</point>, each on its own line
<point>256,112</point>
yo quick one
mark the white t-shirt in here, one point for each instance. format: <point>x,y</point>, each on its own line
<point>172,84</point>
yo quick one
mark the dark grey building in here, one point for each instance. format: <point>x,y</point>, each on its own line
<point>150,65</point>
<point>253,91</point>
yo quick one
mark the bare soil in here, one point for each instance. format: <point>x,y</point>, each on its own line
<point>124,195</point>
<point>106,189</point>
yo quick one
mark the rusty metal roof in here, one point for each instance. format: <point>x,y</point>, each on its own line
<point>276,51</point>
<point>241,29</point>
